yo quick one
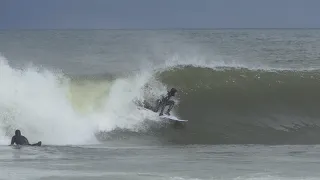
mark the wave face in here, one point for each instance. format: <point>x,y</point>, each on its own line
<point>239,105</point>
<point>224,105</point>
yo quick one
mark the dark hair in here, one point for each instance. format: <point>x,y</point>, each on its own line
<point>172,91</point>
<point>18,133</point>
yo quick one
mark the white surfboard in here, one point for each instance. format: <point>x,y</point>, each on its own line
<point>173,118</point>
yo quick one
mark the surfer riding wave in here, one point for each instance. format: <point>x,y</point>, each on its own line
<point>161,103</point>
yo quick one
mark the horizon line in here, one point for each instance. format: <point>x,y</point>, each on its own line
<point>132,29</point>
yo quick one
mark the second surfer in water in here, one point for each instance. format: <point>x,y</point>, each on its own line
<point>18,139</point>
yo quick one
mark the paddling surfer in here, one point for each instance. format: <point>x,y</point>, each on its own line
<point>18,139</point>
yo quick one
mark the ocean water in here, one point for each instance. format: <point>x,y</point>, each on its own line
<point>251,98</point>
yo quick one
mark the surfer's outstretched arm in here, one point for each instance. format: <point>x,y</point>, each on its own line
<point>12,141</point>
<point>26,142</point>
<point>157,106</point>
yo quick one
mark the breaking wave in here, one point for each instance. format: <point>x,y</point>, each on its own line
<point>224,105</point>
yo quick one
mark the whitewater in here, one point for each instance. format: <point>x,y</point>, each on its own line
<point>251,98</point>
<point>47,104</point>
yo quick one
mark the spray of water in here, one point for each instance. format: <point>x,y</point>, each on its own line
<point>48,106</point>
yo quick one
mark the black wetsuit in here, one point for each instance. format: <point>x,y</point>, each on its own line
<point>19,139</point>
<point>165,101</point>
<point>162,103</point>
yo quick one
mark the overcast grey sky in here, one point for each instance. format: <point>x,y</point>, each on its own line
<point>149,14</point>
